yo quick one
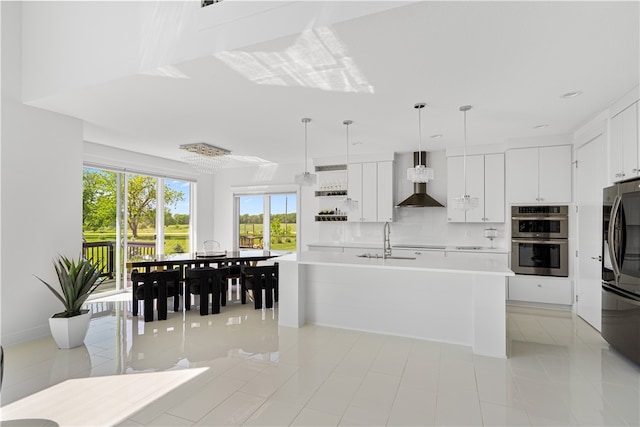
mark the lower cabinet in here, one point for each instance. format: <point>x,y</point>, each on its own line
<point>541,289</point>
<point>320,248</point>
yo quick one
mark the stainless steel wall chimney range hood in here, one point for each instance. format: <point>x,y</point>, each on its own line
<point>419,198</point>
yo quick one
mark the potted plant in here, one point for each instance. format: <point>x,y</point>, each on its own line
<point>77,279</point>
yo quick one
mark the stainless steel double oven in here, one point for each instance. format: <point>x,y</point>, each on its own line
<point>539,240</point>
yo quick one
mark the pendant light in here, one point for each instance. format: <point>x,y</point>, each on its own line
<point>306,178</point>
<point>465,202</point>
<point>420,173</point>
<point>348,204</point>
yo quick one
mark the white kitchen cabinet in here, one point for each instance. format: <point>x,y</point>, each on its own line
<point>494,187</point>
<point>624,144</point>
<point>497,257</point>
<point>385,191</point>
<point>371,185</point>
<point>485,180</point>
<point>539,175</point>
<point>540,289</point>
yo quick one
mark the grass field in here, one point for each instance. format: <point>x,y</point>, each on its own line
<point>282,242</point>
<point>173,235</point>
<point>179,235</point>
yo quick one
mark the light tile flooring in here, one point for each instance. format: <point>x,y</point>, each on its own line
<point>239,368</point>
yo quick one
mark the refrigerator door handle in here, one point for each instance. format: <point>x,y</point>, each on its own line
<point>621,295</point>
<point>612,238</point>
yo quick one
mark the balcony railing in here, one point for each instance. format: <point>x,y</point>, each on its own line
<point>104,254</point>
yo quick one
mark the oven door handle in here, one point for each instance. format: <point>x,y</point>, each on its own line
<point>612,237</point>
<point>556,241</point>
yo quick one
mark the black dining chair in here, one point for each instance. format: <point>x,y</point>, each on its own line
<point>155,285</point>
<point>205,281</point>
<point>259,279</point>
<point>233,277</point>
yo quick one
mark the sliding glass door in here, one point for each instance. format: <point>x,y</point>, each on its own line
<point>121,220</point>
<point>276,230</point>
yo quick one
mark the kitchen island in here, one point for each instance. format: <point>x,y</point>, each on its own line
<point>433,298</point>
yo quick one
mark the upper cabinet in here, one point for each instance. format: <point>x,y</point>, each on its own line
<point>624,161</point>
<point>371,184</point>
<point>485,180</point>
<point>539,175</point>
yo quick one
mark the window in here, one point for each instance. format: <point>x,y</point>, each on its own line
<point>275,231</point>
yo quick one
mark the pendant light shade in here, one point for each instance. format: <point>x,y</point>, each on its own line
<point>306,178</point>
<point>348,204</point>
<point>420,173</point>
<point>465,202</point>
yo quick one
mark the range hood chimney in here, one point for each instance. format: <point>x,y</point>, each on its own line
<point>419,198</point>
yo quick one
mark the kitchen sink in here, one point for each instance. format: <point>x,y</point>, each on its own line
<point>469,248</point>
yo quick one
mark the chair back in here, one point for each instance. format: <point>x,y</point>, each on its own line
<point>153,278</point>
<point>210,246</point>
<point>196,275</point>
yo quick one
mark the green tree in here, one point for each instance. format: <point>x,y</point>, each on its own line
<point>182,219</point>
<point>99,200</point>
<point>276,228</point>
<point>142,201</point>
<point>168,218</point>
<point>99,194</point>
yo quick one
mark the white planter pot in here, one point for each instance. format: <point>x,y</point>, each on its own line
<point>69,332</point>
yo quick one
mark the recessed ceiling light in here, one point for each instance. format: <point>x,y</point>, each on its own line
<point>544,125</point>
<point>571,94</point>
<point>435,136</point>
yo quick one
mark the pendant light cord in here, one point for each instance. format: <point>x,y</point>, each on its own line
<point>420,136</point>
<point>465,153</point>
<point>347,123</point>
<point>464,109</point>
<point>305,147</point>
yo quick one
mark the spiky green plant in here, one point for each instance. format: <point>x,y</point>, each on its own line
<point>78,279</point>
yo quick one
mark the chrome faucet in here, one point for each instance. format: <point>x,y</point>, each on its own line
<point>387,241</point>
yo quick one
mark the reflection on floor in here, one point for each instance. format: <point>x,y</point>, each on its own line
<point>239,368</point>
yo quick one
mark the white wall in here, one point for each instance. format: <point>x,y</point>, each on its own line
<point>41,205</point>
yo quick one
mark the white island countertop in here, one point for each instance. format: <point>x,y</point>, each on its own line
<point>489,266</point>
<point>409,246</point>
<point>459,300</point>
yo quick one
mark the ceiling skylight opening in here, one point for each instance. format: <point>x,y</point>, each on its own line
<point>318,59</point>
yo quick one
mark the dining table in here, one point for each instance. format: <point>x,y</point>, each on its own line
<point>201,259</point>
<point>182,261</point>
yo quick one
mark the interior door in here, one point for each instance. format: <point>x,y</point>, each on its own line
<point>591,179</point>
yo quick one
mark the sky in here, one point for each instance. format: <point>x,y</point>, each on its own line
<point>254,205</point>
<point>183,206</point>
